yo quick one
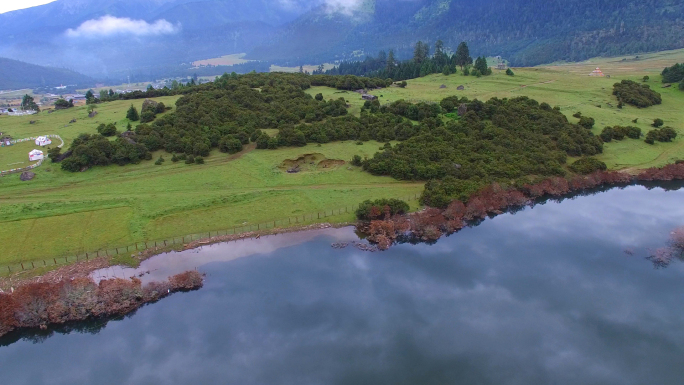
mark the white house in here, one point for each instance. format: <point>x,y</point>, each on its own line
<point>35,155</point>
<point>43,141</point>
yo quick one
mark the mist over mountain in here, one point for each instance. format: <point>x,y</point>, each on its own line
<point>100,37</point>
<point>527,32</point>
<point>15,75</point>
<point>110,38</point>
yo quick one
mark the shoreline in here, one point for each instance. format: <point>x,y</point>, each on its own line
<point>428,224</point>
<point>83,269</point>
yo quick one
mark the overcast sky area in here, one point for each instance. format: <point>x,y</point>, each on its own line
<point>11,5</point>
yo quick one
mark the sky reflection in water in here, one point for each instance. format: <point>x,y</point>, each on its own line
<point>545,296</point>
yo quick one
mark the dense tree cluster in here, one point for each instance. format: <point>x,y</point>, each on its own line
<point>620,132</point>
<point>96,150</point>
<point>674,74</point>
<point>386,66</point>
<point>665,134</point>
<point>506,138</point>
<point>639,95</point>
<point>228,113</point>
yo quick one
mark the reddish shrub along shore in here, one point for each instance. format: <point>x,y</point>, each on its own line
<point>39,304</point>
<point>431,223</point>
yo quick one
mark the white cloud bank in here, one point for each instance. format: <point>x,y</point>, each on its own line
<point>109,26</point>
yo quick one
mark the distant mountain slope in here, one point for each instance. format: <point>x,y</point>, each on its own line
<point>17,75</point>
<point>195,29</point>
<point>527,32</point>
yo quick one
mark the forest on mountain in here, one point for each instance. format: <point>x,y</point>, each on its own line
<point>525,32</point>
<point>528,32</point>
<point>16,75</point>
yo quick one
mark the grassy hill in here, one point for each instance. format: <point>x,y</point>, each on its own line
<point>117,206</point>
<point>16,75</point>
<point>568,86</point>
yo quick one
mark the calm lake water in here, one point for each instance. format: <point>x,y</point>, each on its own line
<point>556,294</point>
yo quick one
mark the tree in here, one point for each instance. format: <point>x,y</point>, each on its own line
<point>657,122</point>
<point>462,57</point>
<point>509,72</point>
<point>301,69</point>
<point>420,52</point>
<point>319,97</point>
<point>90,95</point>
<point>28,104</point>
<point>391,62</point>
<point>132,114</point>
<point>646,78</point>
<point>481,66</point>
<point>61,104</point>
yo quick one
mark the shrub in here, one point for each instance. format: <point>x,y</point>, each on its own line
<point>356,160</point>
<point>107,130</point>
<point>147,116</point>
<point>55,154</point>
<point>639,95</point>
<point>380,208</point>
<point>190,159</point>
<point>586,122</point>
<point>403,84</point>
<point>657,122</point>
<point>619,133</point>
<point>665,134</point>
<point>174,158</point>
<point>509,72</point>
<point>319,97</point>
<point>132,114</point>
<point>645,78</point>
<point>262,141</point>
<point>230,145</point>
<point>577,114</point>
<point>587,165</point>
<point>199,160</point>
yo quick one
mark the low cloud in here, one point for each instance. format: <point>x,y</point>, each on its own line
<point>110,26</point>
<point>343,6</point>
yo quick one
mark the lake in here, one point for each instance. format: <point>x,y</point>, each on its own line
<point>561,293</point>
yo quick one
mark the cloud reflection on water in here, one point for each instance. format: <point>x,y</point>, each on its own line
<point>543,296</point>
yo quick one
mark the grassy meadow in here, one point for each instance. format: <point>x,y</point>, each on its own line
<point>568,86</point>
<point>61,213</point>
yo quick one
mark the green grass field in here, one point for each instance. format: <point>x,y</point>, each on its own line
<point>16,156</point>
<point>568,86</point>
<point>60,213</point>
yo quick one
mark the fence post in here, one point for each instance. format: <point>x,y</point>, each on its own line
<point>55,260</point>
<point>22,265</point>
<point>117,250</point>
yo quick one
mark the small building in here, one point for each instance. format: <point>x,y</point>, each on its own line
<point>35,155</point>
<point>43,141</point>
<point>597,72</point>
<point>369,97</point>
